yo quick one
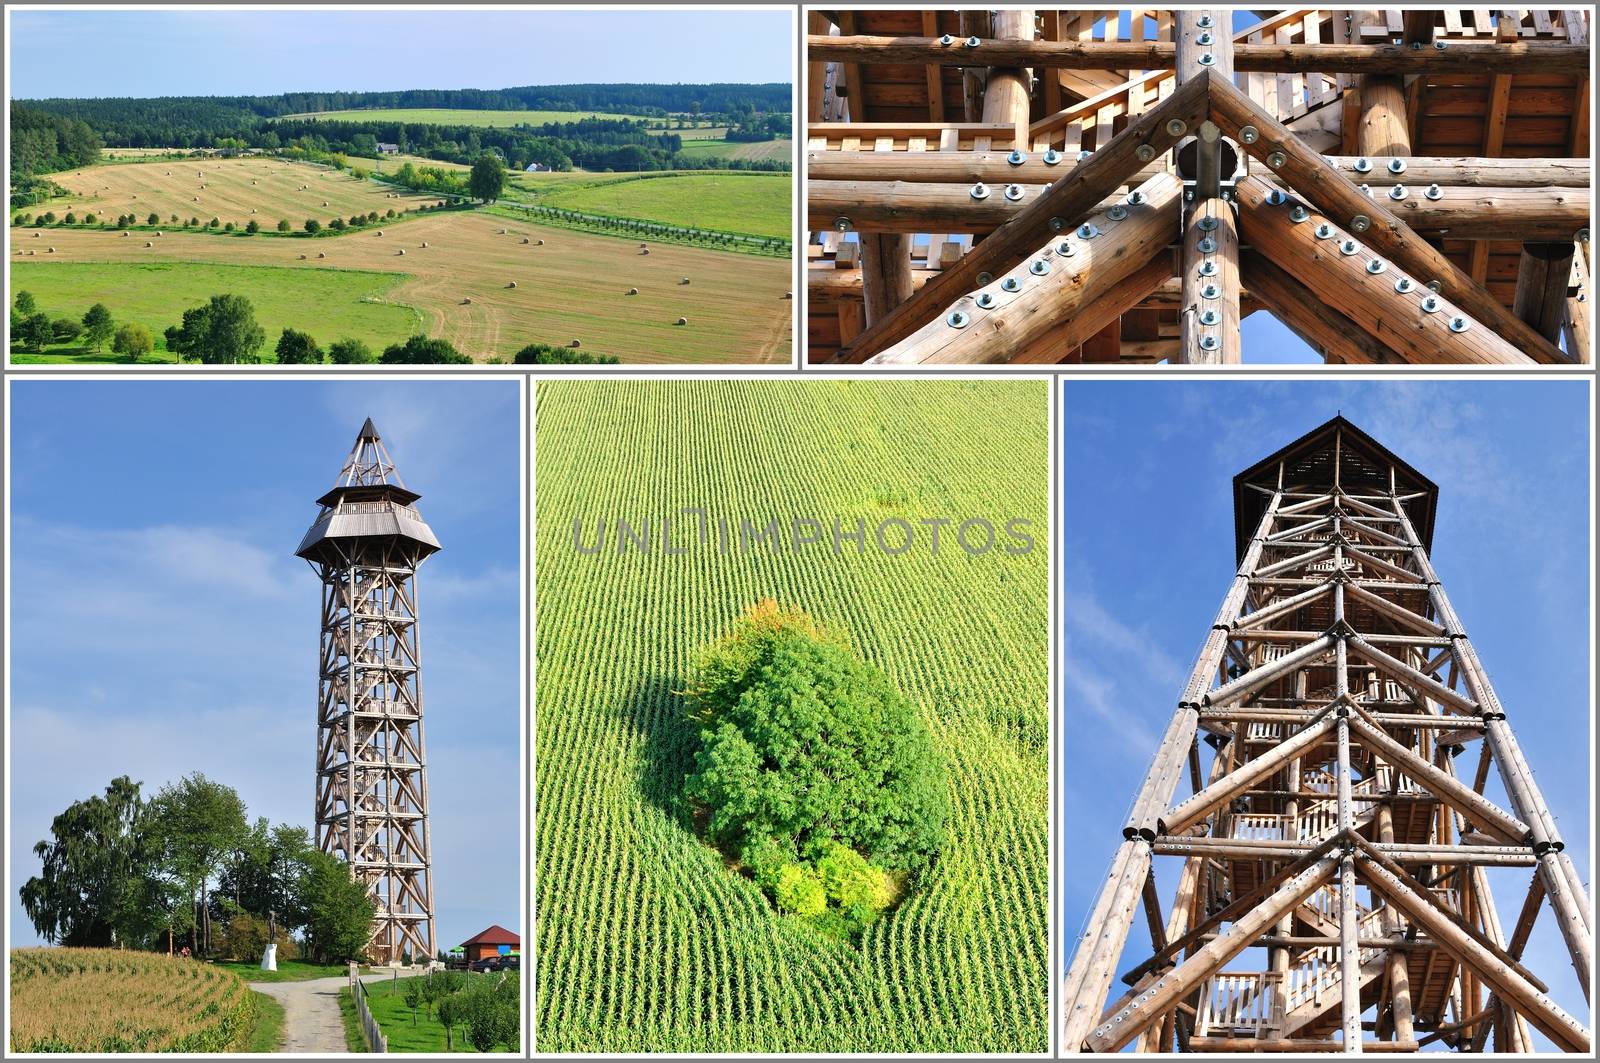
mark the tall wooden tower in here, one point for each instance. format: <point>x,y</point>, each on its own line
<point>1064,185</point>
<point>1334,886</point>
<point>372,782</point>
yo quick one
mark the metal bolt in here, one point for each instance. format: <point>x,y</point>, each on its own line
<point>1360,223</point>
<point>1208,268</point>
<point>972,42</point>
<point>1249,134</point>
<point>1177,127</point>
<point>1013,192</point>
<point>1439,46</point>
<point>1206,59</point>
<point>1403,285</point>
<point>1204,22</point>
<point>1144,152</point>
<point>947,40</point>
<point>1299,214</point>
<point>1135,197</point>
<point>980,191</point>
<point>1207,223</point>
<point>1324,231</point>
<point>1039,267</point>
<point>1016,158</point>
<point>1276,159</point>
<point>1116,212</point>
<point>1459,324</point>
<point>1430,305</point>
<point>1087,231</point>
<point>1397,166</point>
<point>1056,225</point>
<point>985,278</point>
<point>957,319</point>
<point>1064,249</point>
<point>1052,157</point>
<point>1209,317</point>
<point>1362,165</point>
<point>985,300</point>
<point>1433,192</point>
<point>1416,46</point>
<point>1581,236</point>
<point>1206,245</point>
<point>1366,190</point>
<point>1276,196</point>
<point>1375,266</point>
<point>1398,192</point>
<point>1203,39</point>
<point>1208,342</point>
<point>1084,154</point>
<point>1434,286</point>
<point>1349,247</point>
<point>842,223</point>
<point>1210,291</point>
<point>1011,284</point>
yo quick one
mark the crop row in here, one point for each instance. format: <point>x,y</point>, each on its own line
<point>609,225</point>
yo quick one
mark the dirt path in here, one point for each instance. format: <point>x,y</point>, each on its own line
<point>311,1020</point>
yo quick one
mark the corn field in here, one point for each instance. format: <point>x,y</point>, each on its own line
<point>110,1000</point>
<point>646,938</point>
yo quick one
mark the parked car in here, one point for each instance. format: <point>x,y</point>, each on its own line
<point>511,963</point>
<point>488,963</point>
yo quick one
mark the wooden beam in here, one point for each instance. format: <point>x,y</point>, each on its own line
<point>1068,199</point>
<point>1418,26</point>
<point>934,72</point>
<point>826,287</point>
<point>974,23</point>
<point>1381,125</point>
<point>1309,316</point>
<point>1209,323</point>
<point>885,272</point>
<point>850,73</point>
<point>1007,96</point>
<point>1542,278</point>
<point>1578,320</point>
<point>1329,191</point>
<point>1458,57</point>
<point>816,70</point>
<point>994,324</point>
<point>1393,318</point>
<point>1099,318</point>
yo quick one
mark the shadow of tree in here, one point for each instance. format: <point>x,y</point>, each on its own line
<point>655,710</point>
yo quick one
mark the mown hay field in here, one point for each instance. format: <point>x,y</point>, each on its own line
<point>457,116</point>
<point>647,940</point>
<point>754,203</point>
<point>756,151</point>
<point>574,286</point>
<point>233,188</point>
<point>111,1000</point>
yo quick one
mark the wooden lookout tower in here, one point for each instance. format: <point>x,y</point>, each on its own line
<point>372,783</point>
<point>1054,186</point>
<point>1333,892</point>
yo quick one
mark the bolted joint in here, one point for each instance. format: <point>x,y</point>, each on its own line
<point>1017,157</point>
<point>957,319</point>
<point>1014,193</point>
<point>980,191</point>
<point>1544,847</point>
<point>1360,223</point>
<point>1144,152</point>
<point>1052,157</point>
<point>1116,212</point>
<point>842,223</point>
<point>1490,717</point>
<point>1177,127</point>
<point>973,42</point>
<point>947,40</point>
<point>1276,159</point>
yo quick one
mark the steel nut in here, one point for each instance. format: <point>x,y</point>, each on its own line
<point>1375,266</point>
<point>1349,247</point>
<point>1039,267</point>
<point>1116,212</point>
<point>1398,192</point>
<point>1403,285</point>
<point>1144,152</point>
<point>1249,134</point>
<point>957,319</point>
<point>985,300</point>
<point>1362,165</point>
<point>1397,166</point>
<point>1013,192</point>
<point>1298,213</point>
<point>1209,317</point>
<point>1206,245</point>
<point>980,191</point>
<point>1052,157</point>
<point>1276,159</point>
<point>1324,231</point>
<point>1011,284</point>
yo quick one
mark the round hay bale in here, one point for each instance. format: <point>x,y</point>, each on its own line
<point>466,302</point>
<point>683,280</point>
<point>424,243</point>
<point>195,199</point>
<point>380,232</point>
<point>302,258</point>
<point>322,254</point>
<point>158,232</point>
<point>512,284</point>
<point>33,252</point>
<point>252,210</point>
<point>683,321</point>
<point>49,250</point>
<point>524,239</point>
<point>401,251</point>
<point>633,291</point>
<point>644,245</point>
<point>36,235</point>
<point>644,251</point>
<point>147,243</point>
<point>575,343</point>
<point>502,232</point>
<point>324,202</point>
<point>136,195</point>
<point>539,244</point>
<point>788,295</point>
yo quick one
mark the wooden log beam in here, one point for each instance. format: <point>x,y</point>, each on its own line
<point>1529,214</point>
<point>1458,57</point>
<point>1477,809</point>
<point>1191,811</point>
<point>994,167</point>
<point>1006,97</point>
<point>1101,318</point>
<point>1323,328</point>
<point>1250,1045</point>
<point>826,288</point>
<point>885,272</point>
<point>1418,26</point>
<point>1394,318</point>
<point>1017,309</point>
<point>1208,328</point>
<point>1069,199</point>
<point>1542,277</point>
<point>1329,191</point>
<point>1382,128</point>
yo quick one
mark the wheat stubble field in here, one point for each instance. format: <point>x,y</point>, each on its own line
<point>647,939</point>
<point>573,286</point>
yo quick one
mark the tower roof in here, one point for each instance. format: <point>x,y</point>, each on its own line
<point>368,501</point>
<point>1363,464</point>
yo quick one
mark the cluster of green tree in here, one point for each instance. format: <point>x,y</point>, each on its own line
<point>815,773</point>
<point>34,330</point>
<point>188,863</point>
<point>487,1010</point>
<point>761,127</point>
<point>544,354</point>
<point>45,143</point>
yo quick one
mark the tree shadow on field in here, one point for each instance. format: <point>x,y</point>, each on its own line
<point>655,710</point>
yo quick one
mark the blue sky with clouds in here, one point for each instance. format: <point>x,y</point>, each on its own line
<point>161,624</point>
<point>93,53</point>
<point>1148,554</point>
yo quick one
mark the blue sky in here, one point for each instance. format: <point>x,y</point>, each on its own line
<point>223,53</point>
<point>1148,554</point>
<point>161,624</point>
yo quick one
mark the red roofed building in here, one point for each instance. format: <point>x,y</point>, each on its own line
<point>495,941</point>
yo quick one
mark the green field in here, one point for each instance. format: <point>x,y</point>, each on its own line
<point>267,1033</point>
<point>754,203</point>
<point>406,1031</point>
<point>450,116</point>
<point>647,940</point>
<point>761,150</point>
<point>288,971</point>
<point>345,302</point>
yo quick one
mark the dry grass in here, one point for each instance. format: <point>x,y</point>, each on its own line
<point>172,186</point>
<point>572,287</point>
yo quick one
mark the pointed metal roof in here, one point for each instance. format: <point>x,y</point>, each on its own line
<point>1363,463</point>
<point>368,500</point>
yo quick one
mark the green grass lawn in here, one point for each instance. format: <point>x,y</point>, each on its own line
<point>330,304</point>
<point>754,203</point>
<point>267,1034</point>
<point>781,149</point>
<point>456,116</point>
<point>388,1004</point>
<point>288,971</point>
<point>353,1040</point>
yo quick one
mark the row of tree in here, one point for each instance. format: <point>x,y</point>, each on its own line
<point>34,330</point>
<point>487,1010</point>
<point>189,865</point>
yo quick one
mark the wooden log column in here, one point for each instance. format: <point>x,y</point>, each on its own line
<point>1381,122</point>
<point>1209,327</point>
<point>1542,277</point>
<point>1006,98</point>
<point>885,272</point>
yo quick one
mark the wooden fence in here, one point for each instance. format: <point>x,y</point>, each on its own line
<point>371,1032</point>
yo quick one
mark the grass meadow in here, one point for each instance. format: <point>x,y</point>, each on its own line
<point>458,117</point>
<point>647,940</point>
<point>754,203</point>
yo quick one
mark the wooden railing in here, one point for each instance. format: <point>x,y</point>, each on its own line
<point>1317,974</point>
<point>1235,1002</point>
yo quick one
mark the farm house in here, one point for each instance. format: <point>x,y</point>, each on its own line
<point>494,941</point>
<point>388,149</point>
<point>1058,186</point>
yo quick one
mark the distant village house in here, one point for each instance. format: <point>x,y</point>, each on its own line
<point>495,941</point>
<point>537,167</point>
<point>388,149</point>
